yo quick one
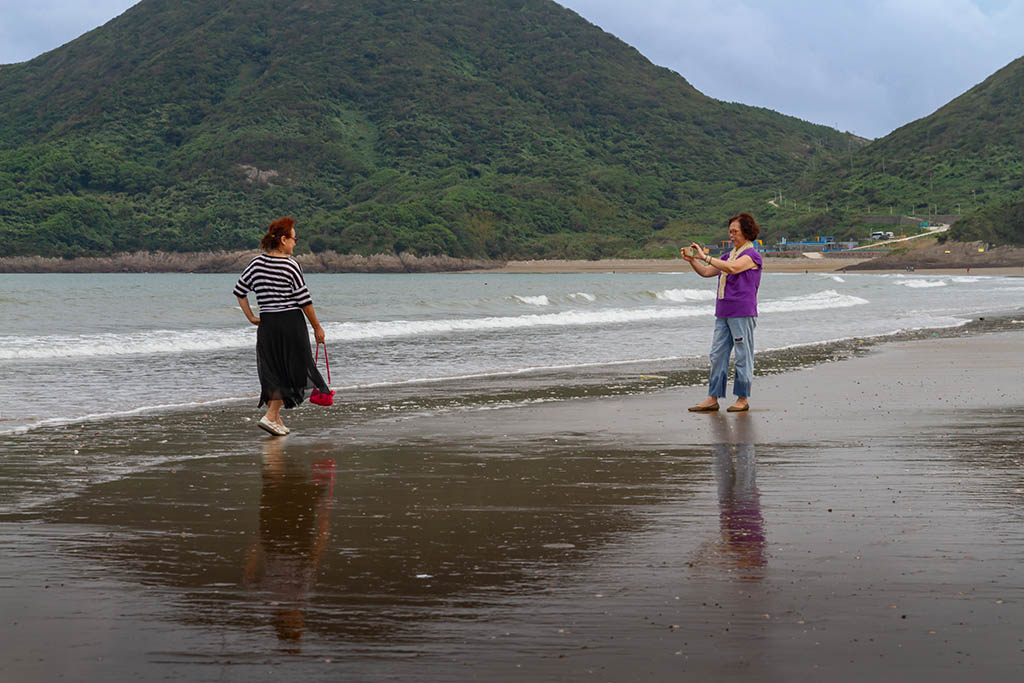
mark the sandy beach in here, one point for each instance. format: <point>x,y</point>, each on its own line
<point>863,521</point>
<point>771,264</point>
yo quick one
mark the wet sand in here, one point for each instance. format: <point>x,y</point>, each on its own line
<point>863,521</point>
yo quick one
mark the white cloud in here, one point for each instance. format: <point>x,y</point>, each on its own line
<point>861,65</point>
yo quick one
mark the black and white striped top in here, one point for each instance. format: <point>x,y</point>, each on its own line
<point>277,282</point>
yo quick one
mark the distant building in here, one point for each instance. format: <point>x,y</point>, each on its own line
<point>818,243</point>
<point>727,244</point>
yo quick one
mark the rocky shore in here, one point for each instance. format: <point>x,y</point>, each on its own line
<point>235,261</point>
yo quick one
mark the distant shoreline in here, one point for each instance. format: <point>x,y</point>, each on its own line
<point>235,261</point>
<point>771,265</point>
<point>330,262</point>
<point>778,265</point>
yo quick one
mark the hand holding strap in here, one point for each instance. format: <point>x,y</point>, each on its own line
<point>326,362</point>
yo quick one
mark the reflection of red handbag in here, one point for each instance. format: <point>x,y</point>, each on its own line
<point>318,397</point>
<point>323,471</point>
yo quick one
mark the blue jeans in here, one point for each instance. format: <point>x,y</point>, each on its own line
<point>732,333</point>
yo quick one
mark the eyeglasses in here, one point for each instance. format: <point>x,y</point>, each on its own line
<point>293,238</point>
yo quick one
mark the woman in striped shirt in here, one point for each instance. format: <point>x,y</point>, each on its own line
<point>283,360</point>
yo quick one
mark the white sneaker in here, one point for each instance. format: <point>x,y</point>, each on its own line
<point>272,427</point>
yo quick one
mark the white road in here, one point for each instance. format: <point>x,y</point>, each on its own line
<point>932,230</point>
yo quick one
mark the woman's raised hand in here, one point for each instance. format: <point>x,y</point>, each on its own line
<point>692,252</point>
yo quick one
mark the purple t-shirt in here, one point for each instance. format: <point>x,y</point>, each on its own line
<point>740,298</point>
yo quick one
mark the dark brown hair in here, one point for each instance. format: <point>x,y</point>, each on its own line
<point>748,226</point>
<point>276,232</point>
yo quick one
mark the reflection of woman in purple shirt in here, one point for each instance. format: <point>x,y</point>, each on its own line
<point>739,506</point>
<point>739,276</point>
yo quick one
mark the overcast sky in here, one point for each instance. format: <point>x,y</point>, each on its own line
<point>866,66</point>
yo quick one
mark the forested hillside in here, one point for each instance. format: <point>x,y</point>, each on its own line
<point>508,128</point>
<point>967,157</point>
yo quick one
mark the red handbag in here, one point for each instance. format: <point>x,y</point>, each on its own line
<point>322,398</point>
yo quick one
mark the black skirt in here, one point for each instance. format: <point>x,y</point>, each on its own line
<point>283,359</point>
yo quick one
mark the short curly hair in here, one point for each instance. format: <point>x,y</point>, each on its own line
<point>748,226</point>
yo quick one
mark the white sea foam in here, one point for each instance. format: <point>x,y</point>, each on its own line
<point>539,300</point>
<point>830,298</point>
<point>403,328</point>
<point>408,328</point>
<point>921,284</point>
<point>938,323</point>
<point>169,342</point>
<point>114,414</point>
<point>685,295</point>
<point>132,343</point>
<point>489,374</point>
<point>583,295</point>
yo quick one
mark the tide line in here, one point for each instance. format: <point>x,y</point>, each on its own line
<point>114,414</point>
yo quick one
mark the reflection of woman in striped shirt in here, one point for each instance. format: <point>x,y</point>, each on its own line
<point>283,360</point>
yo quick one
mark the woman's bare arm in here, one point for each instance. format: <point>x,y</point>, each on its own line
<point>732,267</point>
<point>318,332</point>
<point>244,303</point>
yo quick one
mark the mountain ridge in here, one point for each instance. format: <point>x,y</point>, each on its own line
<point>510,129</point>
<point>966,157</point>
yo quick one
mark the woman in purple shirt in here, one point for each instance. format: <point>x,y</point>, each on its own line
<point>739,276</point>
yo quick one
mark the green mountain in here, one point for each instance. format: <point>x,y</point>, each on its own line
<point>1001,224</point>
<point>507,128</point>
<point>967,157</point>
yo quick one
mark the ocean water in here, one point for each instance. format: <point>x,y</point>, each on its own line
<point>82,348</point>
